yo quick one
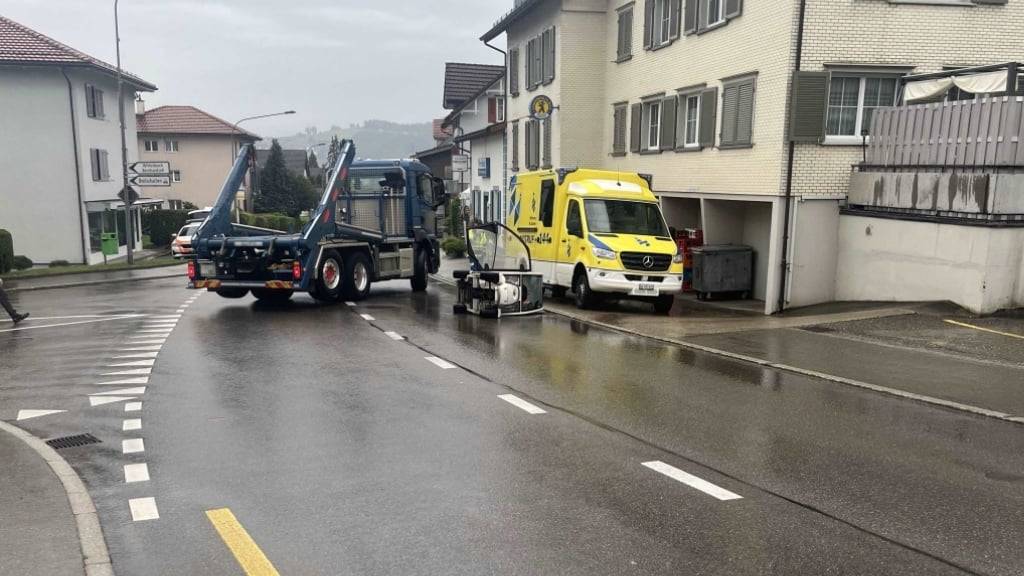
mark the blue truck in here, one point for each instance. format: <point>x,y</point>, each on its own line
<point>376,220</point>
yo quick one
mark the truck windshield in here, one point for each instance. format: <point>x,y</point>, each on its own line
<point>624,217</point>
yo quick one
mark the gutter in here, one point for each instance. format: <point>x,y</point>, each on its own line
<point>78,168</point>
<point>781,304</point>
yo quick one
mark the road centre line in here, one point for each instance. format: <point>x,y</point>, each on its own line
<point>136,473</point>
<point>367,317</point>
<point>132,446</point>
<point>131,424</point>
<point>248,554</point>
<point>442,364</point>
<point>143,509</point>
<point>989,330</point>
<point>394,335</point>
<point>521,404</point>
<point>692,481</point>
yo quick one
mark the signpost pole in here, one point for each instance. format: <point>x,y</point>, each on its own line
<point>128,215</point>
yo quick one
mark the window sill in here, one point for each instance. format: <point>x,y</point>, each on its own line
<point>689,148</point>
<point>656,47</point>
<point>617,154</point>
<point>844,141</point>
<point>712,27</point>
<point>622,59</point>
<point>649,152</point>
<point>735,146</point>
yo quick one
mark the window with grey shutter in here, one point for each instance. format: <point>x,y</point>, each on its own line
<point>625,39</point>
<point>515,146</point>
<point>513,72</point>
<point>619,130</point>
<point>531,65</point>
<point>808,103</point>
<point>94,102</point>
<point>538,62</point>
<point>648,24</point>
<point>104,166</point>
<point>547,143</point>
<point>636,131</point>
<point>690,16</point>
<point>94,163</point>
<point>676,10</point>
<point>549,55</point>
<point>532,144</point>
<point>668,122</point>
<point>737,113</point>
<point>708,110</point>
<point>733,8</point>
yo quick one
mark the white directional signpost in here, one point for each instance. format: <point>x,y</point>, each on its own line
<point>151,173</point>
<point>146,180</point>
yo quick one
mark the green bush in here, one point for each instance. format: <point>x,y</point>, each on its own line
<point>454,247</point>
<point>160,225</point>
<point>6,252</point>
<point>22,263</point>
<point>59,263</point>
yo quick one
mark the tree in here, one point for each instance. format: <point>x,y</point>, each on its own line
<point>313,167</point>
<point>305,194</point>
<point>276,185</point>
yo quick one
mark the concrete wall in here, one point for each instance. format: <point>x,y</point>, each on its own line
<point>203,159</point>
<point>814,251</point>
<point>976,267</point>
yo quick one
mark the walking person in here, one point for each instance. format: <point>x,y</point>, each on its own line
<point>6,303</point>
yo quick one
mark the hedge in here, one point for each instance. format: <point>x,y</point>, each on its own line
<point>22,263</point>
<point>273,221</point>
<point>6,252</point>
<point>160,225</point>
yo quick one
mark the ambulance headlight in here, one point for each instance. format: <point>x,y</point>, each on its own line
<point>604,254</point>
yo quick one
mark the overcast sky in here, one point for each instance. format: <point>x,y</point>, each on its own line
<point>333,61</point>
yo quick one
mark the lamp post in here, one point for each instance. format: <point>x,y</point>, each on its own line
<point>234,130</point>
<point>126,190</point>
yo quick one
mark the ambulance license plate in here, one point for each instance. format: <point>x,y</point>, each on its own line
<point>645,289</point>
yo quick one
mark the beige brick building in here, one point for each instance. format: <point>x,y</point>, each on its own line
<point>697,93</point>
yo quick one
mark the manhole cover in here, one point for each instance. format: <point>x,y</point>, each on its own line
<point>72,441</point>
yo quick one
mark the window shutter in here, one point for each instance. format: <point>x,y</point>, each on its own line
<point>635,127</point>
<point>708,109</point>
<point>733,8</point>
<point>690,17</point>
<point>513,71</point>
<point>97,96</point>
<point>745,113</point>
<point>94,163</point>
<point>515,146</point>
<point>648,24</point>
<point>527,140</point>
<point>538,61</point>
<point>492,110</point>
<point>730,99</point>
<point>676,10</point>
<point>549,55</point>
<point>90,102</point>
<point>668,122</point>
<point>808,104</point>
<point>529,65</point>
<point>547,142</point>
<point>104,166</point>
<point>702,15</point>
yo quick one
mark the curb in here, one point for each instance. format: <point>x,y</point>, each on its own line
<point>95,283</point>
<point>976,410</point>
<point>90,535</point>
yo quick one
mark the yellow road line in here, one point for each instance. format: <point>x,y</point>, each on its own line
<point>253,561</point>
<point>985,329</point>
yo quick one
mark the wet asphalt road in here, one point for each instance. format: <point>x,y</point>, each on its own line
<point>344,451</point>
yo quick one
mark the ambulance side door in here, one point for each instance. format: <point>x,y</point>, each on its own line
<point>572,242</point>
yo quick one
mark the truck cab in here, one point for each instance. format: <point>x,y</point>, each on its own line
<point>600,233</point>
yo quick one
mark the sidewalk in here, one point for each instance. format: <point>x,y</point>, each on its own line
<point>907,350</point>
<point>90,278</point>
<point>38,532</point>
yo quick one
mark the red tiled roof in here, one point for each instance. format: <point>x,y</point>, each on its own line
<point>185,120</point>
<point>463,81</point>
<point>22,45</point>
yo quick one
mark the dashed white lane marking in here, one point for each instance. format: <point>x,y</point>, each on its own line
<point>443,364</point>
<point>143,380</point>
<point>26,414</point>
<point>132,446</point>
<point>131,424</point>
<point>136,355</point>
<point>143,509</point>
<point>394,336</point>
<point>136,473</point>
<point>132,406</point>
<point>134,372</point>
<point>520,403</point>
<point>350,304</point>
<point>149,362</point>
<point>367,317</point>
<point>123,392</point>
<point>692,481</point>
<point>103,400</point>
<point>155,348</point>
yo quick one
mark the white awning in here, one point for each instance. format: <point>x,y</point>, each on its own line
<point>985,83</point>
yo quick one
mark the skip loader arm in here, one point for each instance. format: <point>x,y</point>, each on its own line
<point>322,221</point>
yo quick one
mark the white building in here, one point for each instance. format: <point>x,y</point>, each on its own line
<point>60,147</point>
<point>698,93</point>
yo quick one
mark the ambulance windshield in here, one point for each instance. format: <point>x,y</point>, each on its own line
<point>624,217</point>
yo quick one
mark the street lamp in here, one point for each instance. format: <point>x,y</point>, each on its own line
<point>125,190</point>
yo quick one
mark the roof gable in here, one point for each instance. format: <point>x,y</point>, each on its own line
<point>463,81</point>
<point>21,45</point>
<point>186,120</point>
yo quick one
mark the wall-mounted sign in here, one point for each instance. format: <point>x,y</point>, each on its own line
<point>460,163</point>
<point>541,107</point>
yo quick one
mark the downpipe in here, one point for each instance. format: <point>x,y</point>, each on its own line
<point>788,198</point>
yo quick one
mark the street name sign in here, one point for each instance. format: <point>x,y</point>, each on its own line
<point>142,180</point>
<point>151,168</point>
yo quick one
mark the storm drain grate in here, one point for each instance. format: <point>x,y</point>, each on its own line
<point>72,441</point>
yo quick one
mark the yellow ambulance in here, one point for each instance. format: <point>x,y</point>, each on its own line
<point>600,233</point>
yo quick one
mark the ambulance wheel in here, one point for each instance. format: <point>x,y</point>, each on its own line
<point>356,285</point>
<point>585,298</point>
<point>419,277</point>
<point>232,293</point>
<point>663,304</point>
<point>272,296</point>
<point>328,285</point>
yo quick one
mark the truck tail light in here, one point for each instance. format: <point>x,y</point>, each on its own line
<point>296,270</point>
<point>191,269</point>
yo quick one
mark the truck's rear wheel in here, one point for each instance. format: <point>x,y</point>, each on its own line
<point>272,296</point>
<point>419,278</point>
<point>328,286</point>
<point>356,284</point>
<point>232,293</point>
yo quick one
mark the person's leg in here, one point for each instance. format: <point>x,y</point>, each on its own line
<point>7,305</point>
